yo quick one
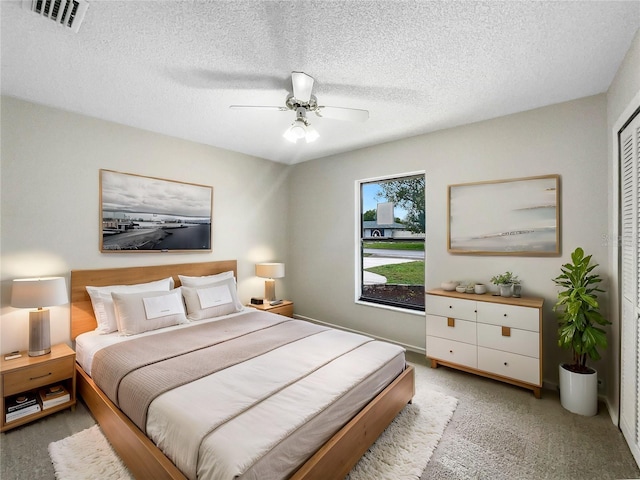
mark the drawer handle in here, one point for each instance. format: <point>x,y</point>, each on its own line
<point>450,351</point>
<point>506,331</point>
<point>450,306</point>
<point>451,322</point>
<point>506,364</point>
<point>41,376</point>
<point>505,314</point>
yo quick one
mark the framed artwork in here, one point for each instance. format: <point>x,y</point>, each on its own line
<point>148,214</point>
<point>519,216</point>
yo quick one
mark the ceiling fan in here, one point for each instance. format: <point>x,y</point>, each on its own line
<point>302,102</point>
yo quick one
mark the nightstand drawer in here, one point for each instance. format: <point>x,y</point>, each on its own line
<point>38,375</point>
<point>286,310</point>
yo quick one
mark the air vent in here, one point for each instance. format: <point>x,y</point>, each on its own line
<point>68,13</point>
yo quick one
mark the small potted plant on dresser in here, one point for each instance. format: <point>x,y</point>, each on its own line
<point>579,331</point>
<point>505,282</point>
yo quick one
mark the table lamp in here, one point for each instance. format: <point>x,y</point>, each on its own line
<point>39,293</point>
<point>270,271</point>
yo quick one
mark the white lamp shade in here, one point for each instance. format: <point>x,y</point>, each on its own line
<point>270,270</point>
<point>39,292</point>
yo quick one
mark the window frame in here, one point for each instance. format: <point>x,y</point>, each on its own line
<point>359,231</point>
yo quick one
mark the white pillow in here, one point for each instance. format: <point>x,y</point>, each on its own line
<point>103,303</point>
<point>211,300</point>
<point>144,311</point>
<point>187,281</point>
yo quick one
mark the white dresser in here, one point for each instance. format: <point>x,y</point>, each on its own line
<point>497,337</point>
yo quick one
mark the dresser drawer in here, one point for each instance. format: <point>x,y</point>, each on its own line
<point>522,342</point>
<point>451,307</point>
<point>510,365</point>
<point>461,330</point>
<point>525,318</point>
<point>38,375</point>
<point>451,351</point>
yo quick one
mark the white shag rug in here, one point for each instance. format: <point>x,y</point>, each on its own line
<point>87,455</point>
<point>405,447</point>
<point>401,452</point>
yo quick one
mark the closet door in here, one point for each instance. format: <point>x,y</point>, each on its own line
<point>630,284</point>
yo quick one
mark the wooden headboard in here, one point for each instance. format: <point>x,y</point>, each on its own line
<point>82,317</point>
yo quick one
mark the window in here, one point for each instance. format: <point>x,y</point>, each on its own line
<point>391,227</point>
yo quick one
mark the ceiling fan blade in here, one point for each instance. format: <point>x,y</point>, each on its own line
<point>302,86</point>
<point>258,107</point>
<point>340,113</point>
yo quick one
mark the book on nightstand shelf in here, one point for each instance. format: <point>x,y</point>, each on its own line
<point>52,396</point>
<point>21,406</point>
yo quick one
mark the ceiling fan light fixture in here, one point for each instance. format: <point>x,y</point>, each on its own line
<point>296,131</point>
<point>312,134</point>
<point>302,101</point>
<point>301,128</point>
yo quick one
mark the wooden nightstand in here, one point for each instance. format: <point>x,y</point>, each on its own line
<point>30,374</point>
<point>285,308</point>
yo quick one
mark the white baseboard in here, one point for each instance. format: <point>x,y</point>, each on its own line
<point>412,348</point>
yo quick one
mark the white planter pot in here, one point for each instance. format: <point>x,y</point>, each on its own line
<point>505,290</point>
<point>579,391</point>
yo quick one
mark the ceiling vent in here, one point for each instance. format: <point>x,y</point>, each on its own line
<point>68,13</point>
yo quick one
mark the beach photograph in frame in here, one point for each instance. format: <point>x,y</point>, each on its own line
<point>148,214</point>
<point>518,216</point>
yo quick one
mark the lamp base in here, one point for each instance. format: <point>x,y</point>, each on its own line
<point>39,333</point>
<point>270,289</point>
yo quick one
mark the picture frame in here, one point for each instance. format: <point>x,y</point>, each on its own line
<point>518,216</point>
<point>151,214</point>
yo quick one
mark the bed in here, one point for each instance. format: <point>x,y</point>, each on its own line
<point>328,455</point>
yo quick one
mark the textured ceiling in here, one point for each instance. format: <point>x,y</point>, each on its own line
<point>174,67</point>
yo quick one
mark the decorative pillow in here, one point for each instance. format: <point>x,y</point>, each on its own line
<point>103,303</point>
<point>187,281</point>
<point>144,311</point>
<point>211,300</point>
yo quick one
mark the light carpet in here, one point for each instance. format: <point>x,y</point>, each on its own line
<point>401,452</point>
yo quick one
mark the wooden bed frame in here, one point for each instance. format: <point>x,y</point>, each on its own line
<point>332,461</point>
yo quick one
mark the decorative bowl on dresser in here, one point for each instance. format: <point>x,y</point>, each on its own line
<point>496,337</point>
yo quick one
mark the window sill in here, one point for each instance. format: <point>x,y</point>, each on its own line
<point>391,307</point>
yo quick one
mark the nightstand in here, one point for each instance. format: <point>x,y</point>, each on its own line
<point>28,375</point>
<point>285,308</point>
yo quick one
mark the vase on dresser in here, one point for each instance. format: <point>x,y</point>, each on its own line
<point>505,289</point>
<point>517,290</point>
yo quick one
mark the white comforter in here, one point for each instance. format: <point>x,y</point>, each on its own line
<point>264,417</point>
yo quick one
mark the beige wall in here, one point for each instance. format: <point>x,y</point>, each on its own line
<point>623,98</point>
<point>567,139</point>
<point>50,212</point>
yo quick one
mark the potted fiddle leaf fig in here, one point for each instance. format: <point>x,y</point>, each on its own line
<point>580,331</point>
